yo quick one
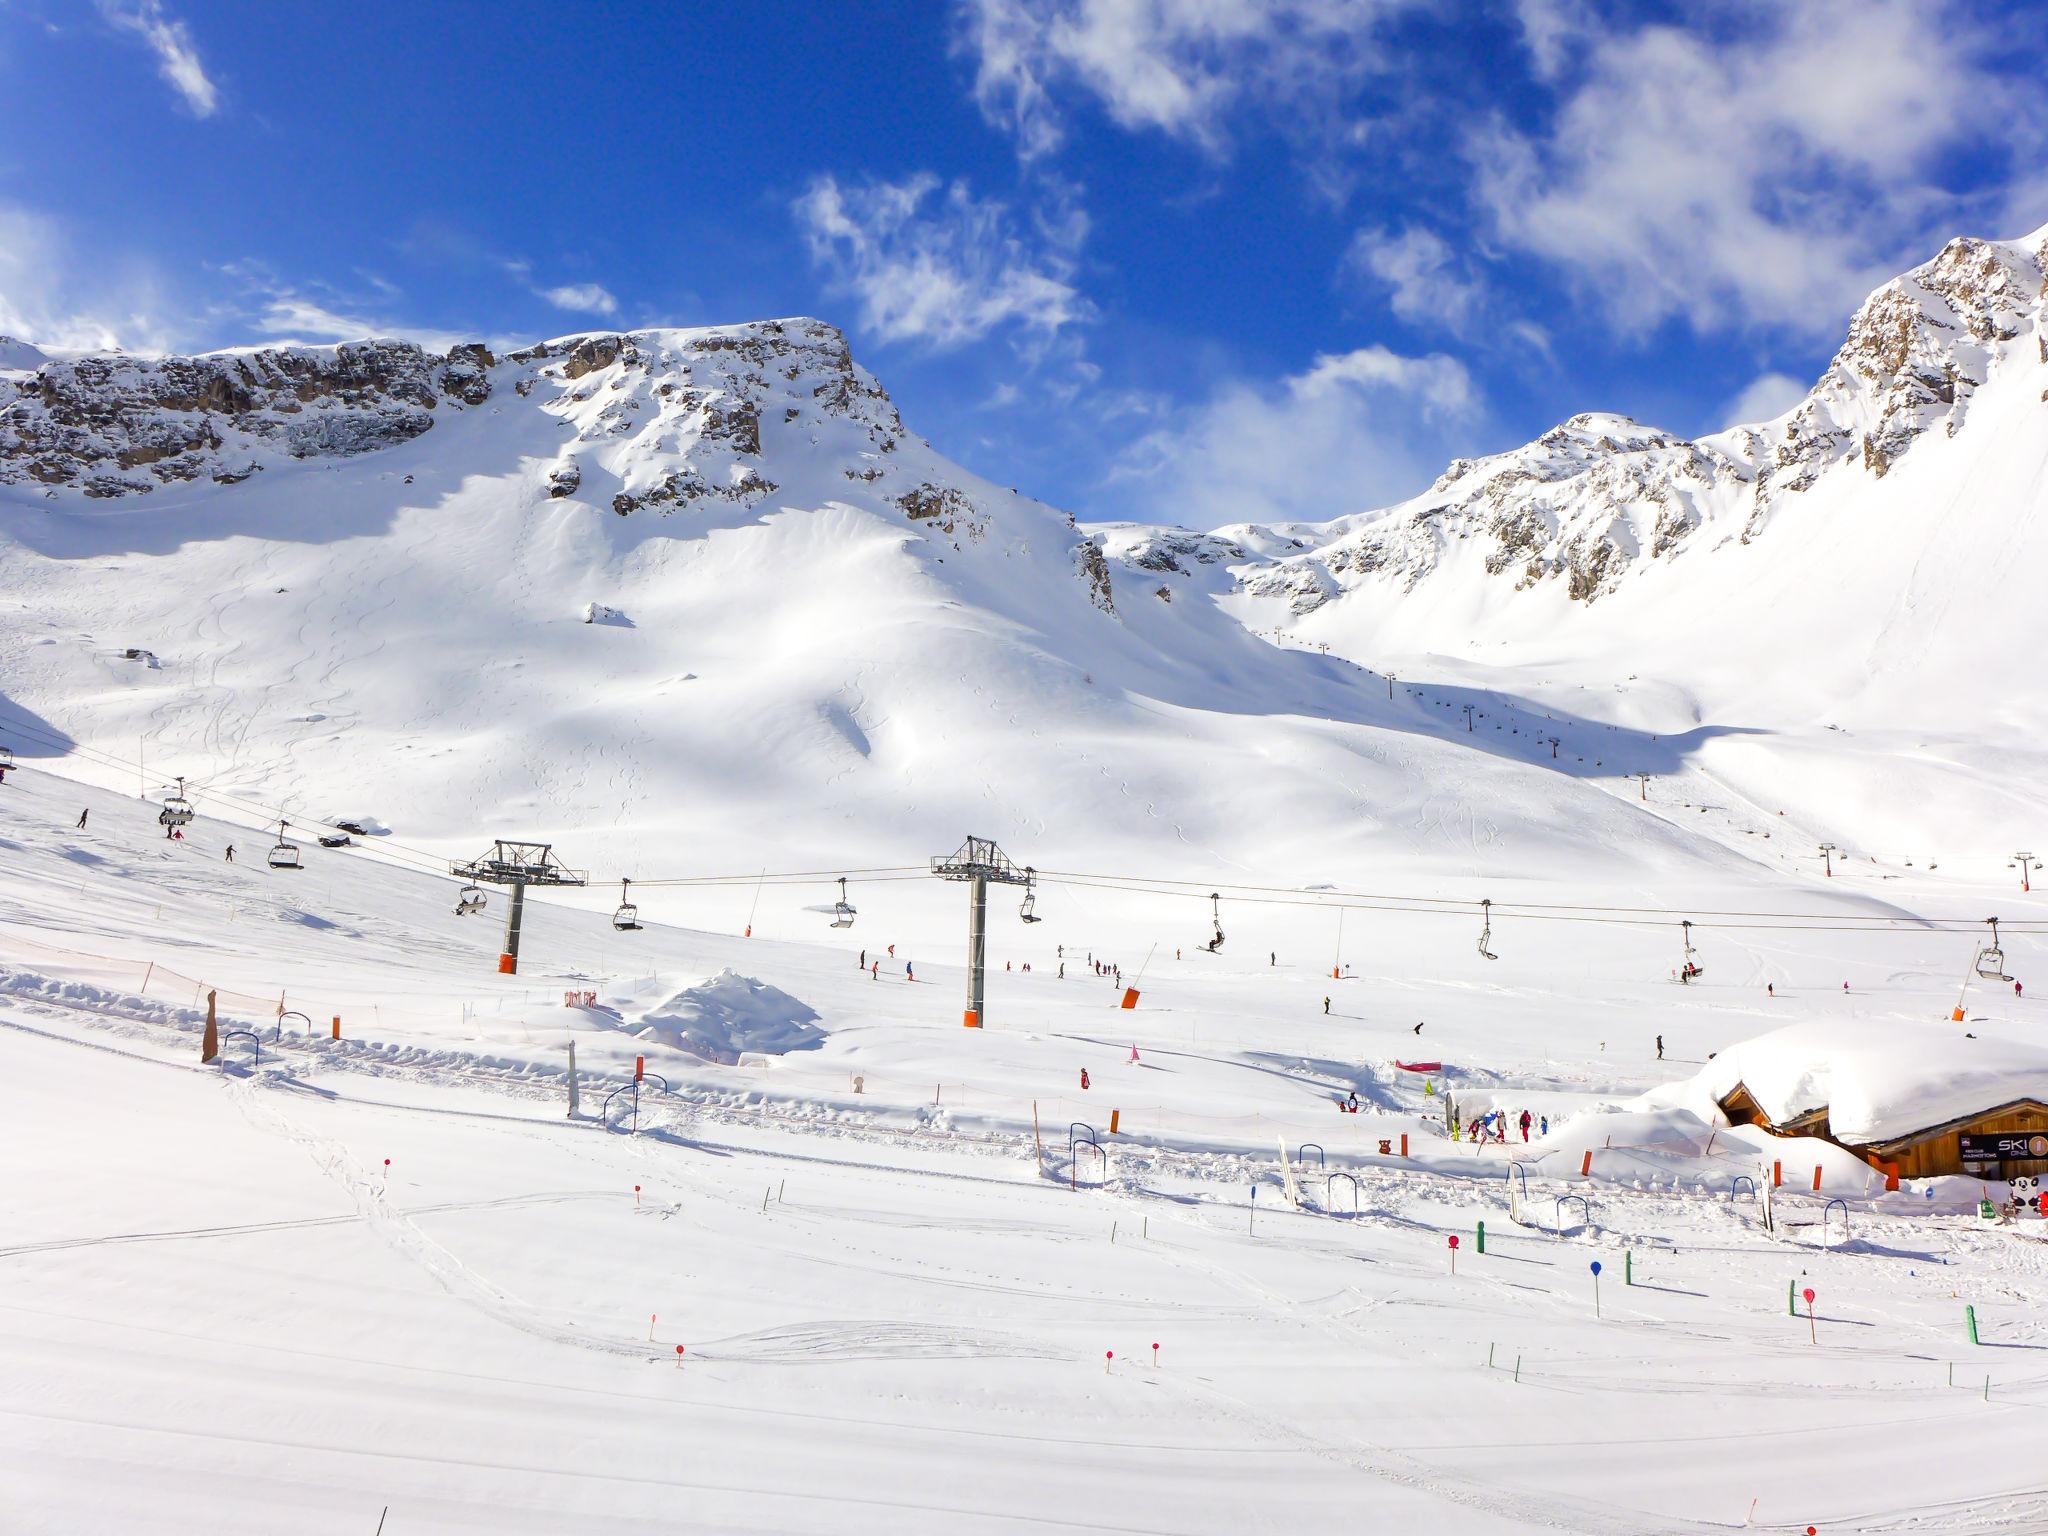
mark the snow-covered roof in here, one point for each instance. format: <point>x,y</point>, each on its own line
<point>1877,1080</point>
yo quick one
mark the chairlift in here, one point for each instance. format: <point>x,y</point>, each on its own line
<point>177,810</point>
<point>1991,959</point>
<point>627,918</point>
<point>470,899</point>
<point>1216,922</point>
<point>1486,930</point>
<point>1029,911</point>
<point>286,854</point>
<point>842,911</point>
<point>1692,970</point>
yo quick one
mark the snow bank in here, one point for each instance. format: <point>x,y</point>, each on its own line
<point>1877,1079</point>
<point>728,1014</point>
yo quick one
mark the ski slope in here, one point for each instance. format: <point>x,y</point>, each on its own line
<point>229,1313</point>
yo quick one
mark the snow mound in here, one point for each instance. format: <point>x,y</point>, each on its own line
<point>729,1014</point>
<point>20,354</point>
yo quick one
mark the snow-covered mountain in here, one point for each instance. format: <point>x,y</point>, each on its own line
<point>1593,502</point>
<point>703,589</point>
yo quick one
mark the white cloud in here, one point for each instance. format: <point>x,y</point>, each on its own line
<point>64,301</point>
<point>937,265</point>
<point>177,59</point>
<point>1766,397</point>
<point>584,298</point>
<point>1428,283</point>
<point>1768,167</point>
<point>1180,67</point>
<point>1354,430</point>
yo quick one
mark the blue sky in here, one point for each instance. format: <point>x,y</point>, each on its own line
<point>1194,260</point>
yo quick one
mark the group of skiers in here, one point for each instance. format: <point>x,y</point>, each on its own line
<point>1494,1124</point>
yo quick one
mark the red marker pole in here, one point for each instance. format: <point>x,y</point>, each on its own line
<point>1107,1356</point>
<point>1454,1253</point>
<point>679,1357</point>
<point>1155,1357</point>
<point>1811,1336</point>
<point>636,1197</point>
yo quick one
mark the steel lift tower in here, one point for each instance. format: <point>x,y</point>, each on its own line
<point>980,863</point>
<point>516,866</point>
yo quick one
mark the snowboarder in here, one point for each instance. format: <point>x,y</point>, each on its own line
<point>2017,989</point>
<point>1084,1077</point>
<point>1176,953</point>
<point>81,819</point>
<point>1845,986</point>
<point>1063,972</point>
<point>1273,957</point>
<point>1525,1125</point>
<point>231,853</point>
<point>1660,1047</point>
<point>1326,1005</point>
<point>892,951</point>
<point>1770,989</point>
<point>863,960</point>
<point>909,971</point>
<point>875,971</point>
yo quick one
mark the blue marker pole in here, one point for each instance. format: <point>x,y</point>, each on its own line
<point>1596,1287</point>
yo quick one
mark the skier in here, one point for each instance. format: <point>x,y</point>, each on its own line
<point>1418,1028</point>
<point>1660,1047</point>
<point>875,971</point>
<point>863,960</point>
<point>1770,989</point>
<point>1845,986</point>
<point>231,853</point>
<point>1063,972</point>
<point>1084,1077</point>
<point>909,972</point>
<point>1326,1005</point>
<point>892,951</point>
<point>1273,957</point>
<point>81,819</point>
<point>1543,1128</point>
<point>1353,1101</point>
<point>1134,1055</point>
<point>2017,989</point>
<point>1525,1125</point>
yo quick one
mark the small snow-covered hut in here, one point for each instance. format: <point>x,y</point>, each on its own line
<point>1915,1099</point>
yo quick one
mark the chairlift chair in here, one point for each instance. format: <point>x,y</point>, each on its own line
<point>1029,911</point>
<point>842,911</point>
<point>1692,970</point>
<point>1216,922</point>
<point>177,810</point>
<point>469,899</point>
<point>1991,959</point>
<point>286,854</point>
<point>1486,929</point>
<point>627,918</point>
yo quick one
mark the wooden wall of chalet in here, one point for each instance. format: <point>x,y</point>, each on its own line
<point>1941,1152</point>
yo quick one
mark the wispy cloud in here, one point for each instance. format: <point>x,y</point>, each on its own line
<point>1428,283</point>
<point>1762,166</point>
<point>1354,430</point>
<point>932,263</point>
<point>177,58</point>
<point>53,295</point>
<point>1183,68</point>
<point>1765,398</point>
<point>581,298</point>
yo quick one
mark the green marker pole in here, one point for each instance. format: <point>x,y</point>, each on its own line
<point>1481,1244</point>
<point>1628,1267</point>
<point>1970,1317</point>
<point>1791,1298</point>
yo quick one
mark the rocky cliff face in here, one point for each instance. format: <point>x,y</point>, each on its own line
<point>1594,500</point>
<point>645,423</point>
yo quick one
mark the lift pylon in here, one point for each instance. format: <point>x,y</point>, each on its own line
<point>516,866</point>
<point>980,863</point>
